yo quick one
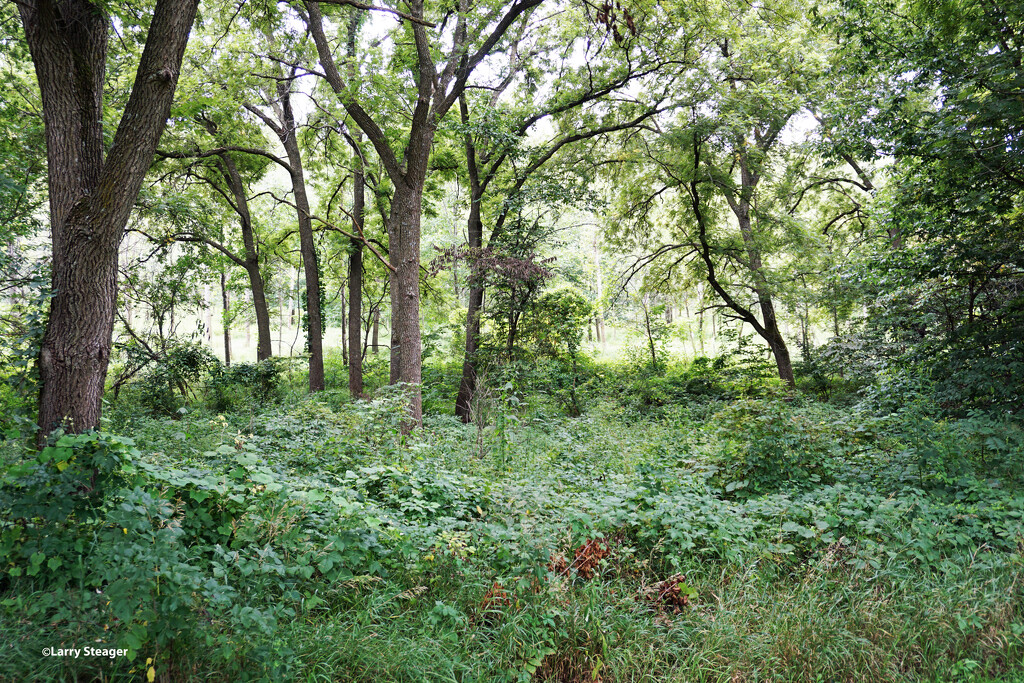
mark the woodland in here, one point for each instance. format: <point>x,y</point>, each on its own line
<point>512,340</point>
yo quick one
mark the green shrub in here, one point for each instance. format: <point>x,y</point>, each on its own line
<point>170,380</point>
<point>763,446</point>
<point>243,385</point>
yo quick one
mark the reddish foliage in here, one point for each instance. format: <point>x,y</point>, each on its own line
<point>585,561</point>
<point>672,593</point>
<point>495,597</point>
<point>492,264</point>
<point>494,603</point>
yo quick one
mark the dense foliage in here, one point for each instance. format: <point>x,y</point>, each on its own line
<point>512,341</point>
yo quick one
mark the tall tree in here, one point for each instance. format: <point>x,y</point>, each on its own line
<point>355,280</point>
<point>716,179</point>
<point>285,126</point>
<point>92,189</point>
<point>494,141</point>
<point>474,31</point>
<point>286,129</point>
<point>227,171</point>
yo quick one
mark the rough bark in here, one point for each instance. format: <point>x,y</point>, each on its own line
<point>404,251</point>
<point>91,197</point>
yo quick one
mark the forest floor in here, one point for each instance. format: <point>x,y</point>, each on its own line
<point>710,540</point>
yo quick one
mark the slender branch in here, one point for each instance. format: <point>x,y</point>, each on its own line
<point>217,151</point>
<point>377,8</point>
<point>360,237</point>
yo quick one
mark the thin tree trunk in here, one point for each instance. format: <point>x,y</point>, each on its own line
<point>208,322</point>
<point>475,235</point>
<point>227,326</point>
<point>376,331</point>
<point>355,286</point>
<point>355,259</point>
<point>767,328</point>
<point>252,258</point>
<point>769,321</point>
<point>344,323</point>
<point>645,304</point>
<point>293,301</point>
<point>599,324</point>
<point>310,266</point>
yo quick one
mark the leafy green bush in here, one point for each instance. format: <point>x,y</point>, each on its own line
<point>242,385</point>
<point>171,378</point>
<point>766,445</point>
<point>702,379</point>
<point>97,551</point>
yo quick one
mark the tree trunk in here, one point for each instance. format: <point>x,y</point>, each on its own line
<point>208,322</point>
<point>252,258</point>
<point>227,326</point>
<point>91,197</point>
<point>344,323</point>
<point>769,321</point>
<point>355,287</point>
<point>475,235</point>
<point>395,349</point>
<point>355,259</point>
<point>404,252</point>
<point>467,386</point>
<point>259,306</point>
<point>645,303</point>
<point>307,245</point>
<point>376,330</point>
<point>513,329</point>
<point>599,285</point>
<point>76,346</point>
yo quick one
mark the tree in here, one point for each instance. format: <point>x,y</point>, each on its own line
<point>493,139</point>
<point>475,32</point>
<point>355,280</point>
<point>720,169</point>
<point>947,110</point>
<point>285,127</point>
<point>92,189</point>
<point>229,179</point>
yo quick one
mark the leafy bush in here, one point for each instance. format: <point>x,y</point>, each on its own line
<point>99,551</point>
<point>244,384</point>
<point>702,379</point>
<point>766,445</point>
<point>170,378</point>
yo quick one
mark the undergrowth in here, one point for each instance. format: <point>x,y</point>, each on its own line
<point>718,539</point>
